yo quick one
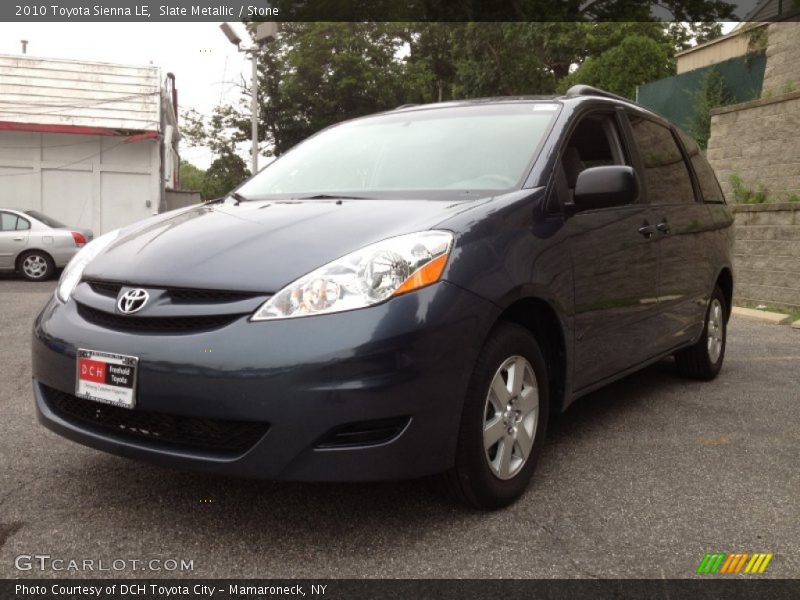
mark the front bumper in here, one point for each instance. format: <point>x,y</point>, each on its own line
<point>409,358</point>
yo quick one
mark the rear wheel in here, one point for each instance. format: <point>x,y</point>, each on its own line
<point>36,266</point>
<point>704,359</point>
<point>503,423</point>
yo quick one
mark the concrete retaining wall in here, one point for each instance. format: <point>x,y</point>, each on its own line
<point>783,58</point>
<point>759,142</point>
<point>767,254</point>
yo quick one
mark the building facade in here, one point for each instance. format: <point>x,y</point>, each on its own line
<point>91,144</point>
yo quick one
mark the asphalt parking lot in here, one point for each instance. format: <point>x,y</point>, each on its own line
<point>637,480</point>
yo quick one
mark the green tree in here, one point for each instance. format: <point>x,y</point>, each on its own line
<point>317,74</point>
<point>636,60</point>
<point>192,178</point>
<point>225,173</point>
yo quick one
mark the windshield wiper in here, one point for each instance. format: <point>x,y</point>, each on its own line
<point>331,197</point>
<point>238,197</point>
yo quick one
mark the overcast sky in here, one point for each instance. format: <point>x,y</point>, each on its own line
<point>206,66</point>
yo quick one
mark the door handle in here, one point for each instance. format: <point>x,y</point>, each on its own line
<point>663,227</point>
<point>647,230</point>
<point>18,239</point>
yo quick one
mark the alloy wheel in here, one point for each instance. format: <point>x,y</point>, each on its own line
<point>715,330</point>
<point>510,417</point>
<point>34,266</point>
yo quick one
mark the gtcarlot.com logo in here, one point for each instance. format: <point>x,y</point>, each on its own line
<point>733,563</point>
<point>46,562</point>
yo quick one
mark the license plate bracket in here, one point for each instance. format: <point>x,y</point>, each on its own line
<point>106,377</point>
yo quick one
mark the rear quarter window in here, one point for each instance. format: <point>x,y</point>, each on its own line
<point>709,186</point>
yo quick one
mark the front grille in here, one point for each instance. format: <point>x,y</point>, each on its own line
<point>191,433</point>
<point>178,295</point>
<point>110,290</point>
<point>155,325</point>
<point>188,296</point>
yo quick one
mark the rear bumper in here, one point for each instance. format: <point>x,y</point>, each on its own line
<point>409,358</point>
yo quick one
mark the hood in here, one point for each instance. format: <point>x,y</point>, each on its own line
<point>257,246</point>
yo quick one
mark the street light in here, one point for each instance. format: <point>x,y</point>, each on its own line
<point>265,32</point>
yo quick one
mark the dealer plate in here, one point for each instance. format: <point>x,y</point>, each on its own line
<point>106,377</point>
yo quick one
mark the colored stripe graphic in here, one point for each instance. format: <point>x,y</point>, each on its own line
<point>732,563</point>
<point>711,562</point>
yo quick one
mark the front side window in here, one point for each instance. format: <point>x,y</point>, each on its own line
<point>665,172</point>
<point>451,150</point>
<point>595,142</point>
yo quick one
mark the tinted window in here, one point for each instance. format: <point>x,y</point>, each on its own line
<point>8,222</point>
<point>705,174</point>
<point>665,171</point>
<point>454,150</point>
<point>49,221</point>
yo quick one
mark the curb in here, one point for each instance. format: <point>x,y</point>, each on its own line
<point>763,316</point>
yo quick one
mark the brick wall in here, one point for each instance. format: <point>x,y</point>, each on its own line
<point>783,58</point>
<point>767,254</point>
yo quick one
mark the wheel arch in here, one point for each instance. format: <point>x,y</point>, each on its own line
<point>725,282</point>
<point>540,318</point>
<point>26,252</point>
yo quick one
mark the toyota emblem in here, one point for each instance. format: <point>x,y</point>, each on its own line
<point>132,301</point>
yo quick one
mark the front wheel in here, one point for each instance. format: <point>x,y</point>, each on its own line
<point>704,360</point>
<point>503,423</point>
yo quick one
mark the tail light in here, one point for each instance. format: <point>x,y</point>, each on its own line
<point>80,239</point>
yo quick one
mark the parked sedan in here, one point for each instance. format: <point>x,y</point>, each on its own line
<point>405,294</point>
<point>35,245</point>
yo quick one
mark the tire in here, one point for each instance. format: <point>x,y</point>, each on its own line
<point>481,478</point>
<point>704,360</point>
<point>36,266</point>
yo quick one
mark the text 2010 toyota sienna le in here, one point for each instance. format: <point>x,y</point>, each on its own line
<point>410,293</point>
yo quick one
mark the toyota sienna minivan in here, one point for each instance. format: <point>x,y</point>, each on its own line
<point>407,294</point>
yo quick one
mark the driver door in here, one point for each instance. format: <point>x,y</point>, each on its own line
<point>614,262</point>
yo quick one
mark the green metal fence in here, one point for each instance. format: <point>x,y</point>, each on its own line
<point>673,98</point>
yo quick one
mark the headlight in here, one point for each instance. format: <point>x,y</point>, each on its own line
<point>74,270</point>
<point>363,278</point>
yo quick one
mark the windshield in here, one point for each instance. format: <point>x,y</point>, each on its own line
<point>464,149</point>
<point>49,221</point>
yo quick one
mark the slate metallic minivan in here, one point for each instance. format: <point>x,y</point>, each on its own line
<point>406,294</point>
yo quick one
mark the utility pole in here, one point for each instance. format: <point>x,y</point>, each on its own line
<point>265,32</point>
<point>254,110</point>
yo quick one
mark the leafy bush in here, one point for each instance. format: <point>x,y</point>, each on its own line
<point>743,194</point>
<point>711,94</point>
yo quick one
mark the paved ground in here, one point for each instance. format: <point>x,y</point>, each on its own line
<point>638,480</point>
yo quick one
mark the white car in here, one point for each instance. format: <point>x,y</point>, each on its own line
<point>35,245</point>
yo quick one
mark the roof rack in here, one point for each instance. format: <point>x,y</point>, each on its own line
<point>406,106</point>
<point>587,90</point>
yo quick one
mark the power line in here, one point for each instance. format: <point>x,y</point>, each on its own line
<point>64,107</point>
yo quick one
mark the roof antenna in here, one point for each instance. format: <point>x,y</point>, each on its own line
<point>24,46</point>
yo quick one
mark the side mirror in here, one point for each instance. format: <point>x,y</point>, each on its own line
<point>604,187</point>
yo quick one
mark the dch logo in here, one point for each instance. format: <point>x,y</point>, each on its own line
<point>92,370</point>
